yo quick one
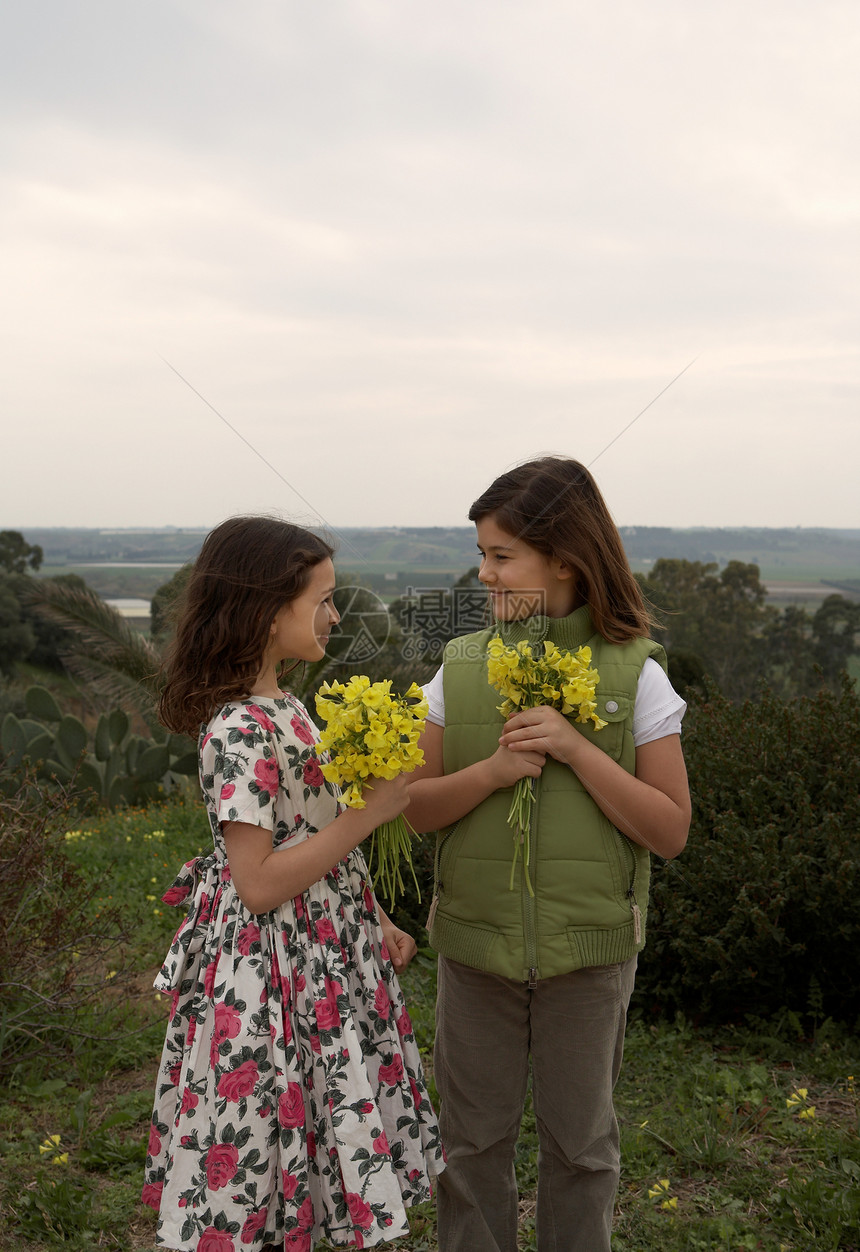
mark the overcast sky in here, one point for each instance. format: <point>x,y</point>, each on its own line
<point>400,246</point>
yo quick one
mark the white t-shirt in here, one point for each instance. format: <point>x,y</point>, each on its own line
<point>657,711</point>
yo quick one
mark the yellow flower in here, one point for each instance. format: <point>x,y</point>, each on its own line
<point>527,677</point>
<point>376,740</point>
<point>50,1148</point>
<point>660,1191</point>
<point>562,680</point>
<point>354,689</point>
<point>375,696</point>
<point>371,732</point>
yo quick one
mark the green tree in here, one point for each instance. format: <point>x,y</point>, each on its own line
<point>789,650</point>
<point>835,630</point>
<point>114,660</point>
<point>18,560</point>
<point>719,620</point>
<point>16,555</point>
<point>16,635</point>
<point>164,602</point>
<point>52,641</point>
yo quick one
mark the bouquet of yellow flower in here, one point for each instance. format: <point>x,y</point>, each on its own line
<point>373,733</point>
<point>528,676</point>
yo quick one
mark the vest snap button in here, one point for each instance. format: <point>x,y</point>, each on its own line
<point>611,706</point>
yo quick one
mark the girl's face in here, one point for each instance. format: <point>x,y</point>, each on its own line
<point>522,581</point>
<point>301,629</point>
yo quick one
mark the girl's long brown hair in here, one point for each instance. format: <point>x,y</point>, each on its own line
<point>554,505</point>
<point>248,569</point>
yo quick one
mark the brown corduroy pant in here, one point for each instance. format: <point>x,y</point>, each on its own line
<point>487,1027</point>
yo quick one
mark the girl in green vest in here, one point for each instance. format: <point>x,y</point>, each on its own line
<point>537,971</point>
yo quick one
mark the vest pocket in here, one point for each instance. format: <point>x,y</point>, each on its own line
<point>616,709</point>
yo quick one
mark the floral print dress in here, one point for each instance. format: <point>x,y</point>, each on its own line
<point>290,1102</point>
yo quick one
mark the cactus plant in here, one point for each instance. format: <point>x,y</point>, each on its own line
<point>115,765</point>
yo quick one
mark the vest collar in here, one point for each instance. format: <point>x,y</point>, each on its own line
<point>567,633</point>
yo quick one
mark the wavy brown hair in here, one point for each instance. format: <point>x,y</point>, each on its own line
<point>554,505</point>
<point>248,569</point>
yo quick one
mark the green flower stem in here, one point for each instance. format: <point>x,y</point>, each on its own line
<point>390,846</point>
<point>519,819</point>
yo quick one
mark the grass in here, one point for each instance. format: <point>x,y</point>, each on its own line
<point>732,1139</point>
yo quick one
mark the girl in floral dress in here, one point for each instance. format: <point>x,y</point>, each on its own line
<point>290,1102</point>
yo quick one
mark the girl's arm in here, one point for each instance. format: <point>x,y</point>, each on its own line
<point>437,799</point>
<point>651,807</point>
<point>266,877</point>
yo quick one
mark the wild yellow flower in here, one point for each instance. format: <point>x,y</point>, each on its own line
<point>51,1149</point>
<point>798,1102</point>
<point>372,732</point>
<point>660,1191</point>
<point>527,677</point>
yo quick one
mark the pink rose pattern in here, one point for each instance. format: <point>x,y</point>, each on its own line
<point>268,776</point>
<point>290,1105</point>
<point>312,773</point>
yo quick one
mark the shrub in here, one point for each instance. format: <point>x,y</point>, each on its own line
<point>55,943</point>
<point>760,912</point>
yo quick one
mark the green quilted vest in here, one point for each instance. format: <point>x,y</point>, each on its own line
<point>590,881</point>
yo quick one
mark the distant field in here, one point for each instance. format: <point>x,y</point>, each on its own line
<point>116,581</point>
<point>802,567</point>
<point>121,564</point>
<point>808,595</point>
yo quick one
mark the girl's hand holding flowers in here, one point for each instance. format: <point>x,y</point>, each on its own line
<point>542,729</point>
<point>386,798</point>
<point>526,761</point>
<point>371,738</point>
<point>541,685</point>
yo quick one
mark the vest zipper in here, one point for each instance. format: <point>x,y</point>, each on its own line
<point>631,894</point>
<point>529,900</point>
<point>437,881</point>
<point>637,917</point>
